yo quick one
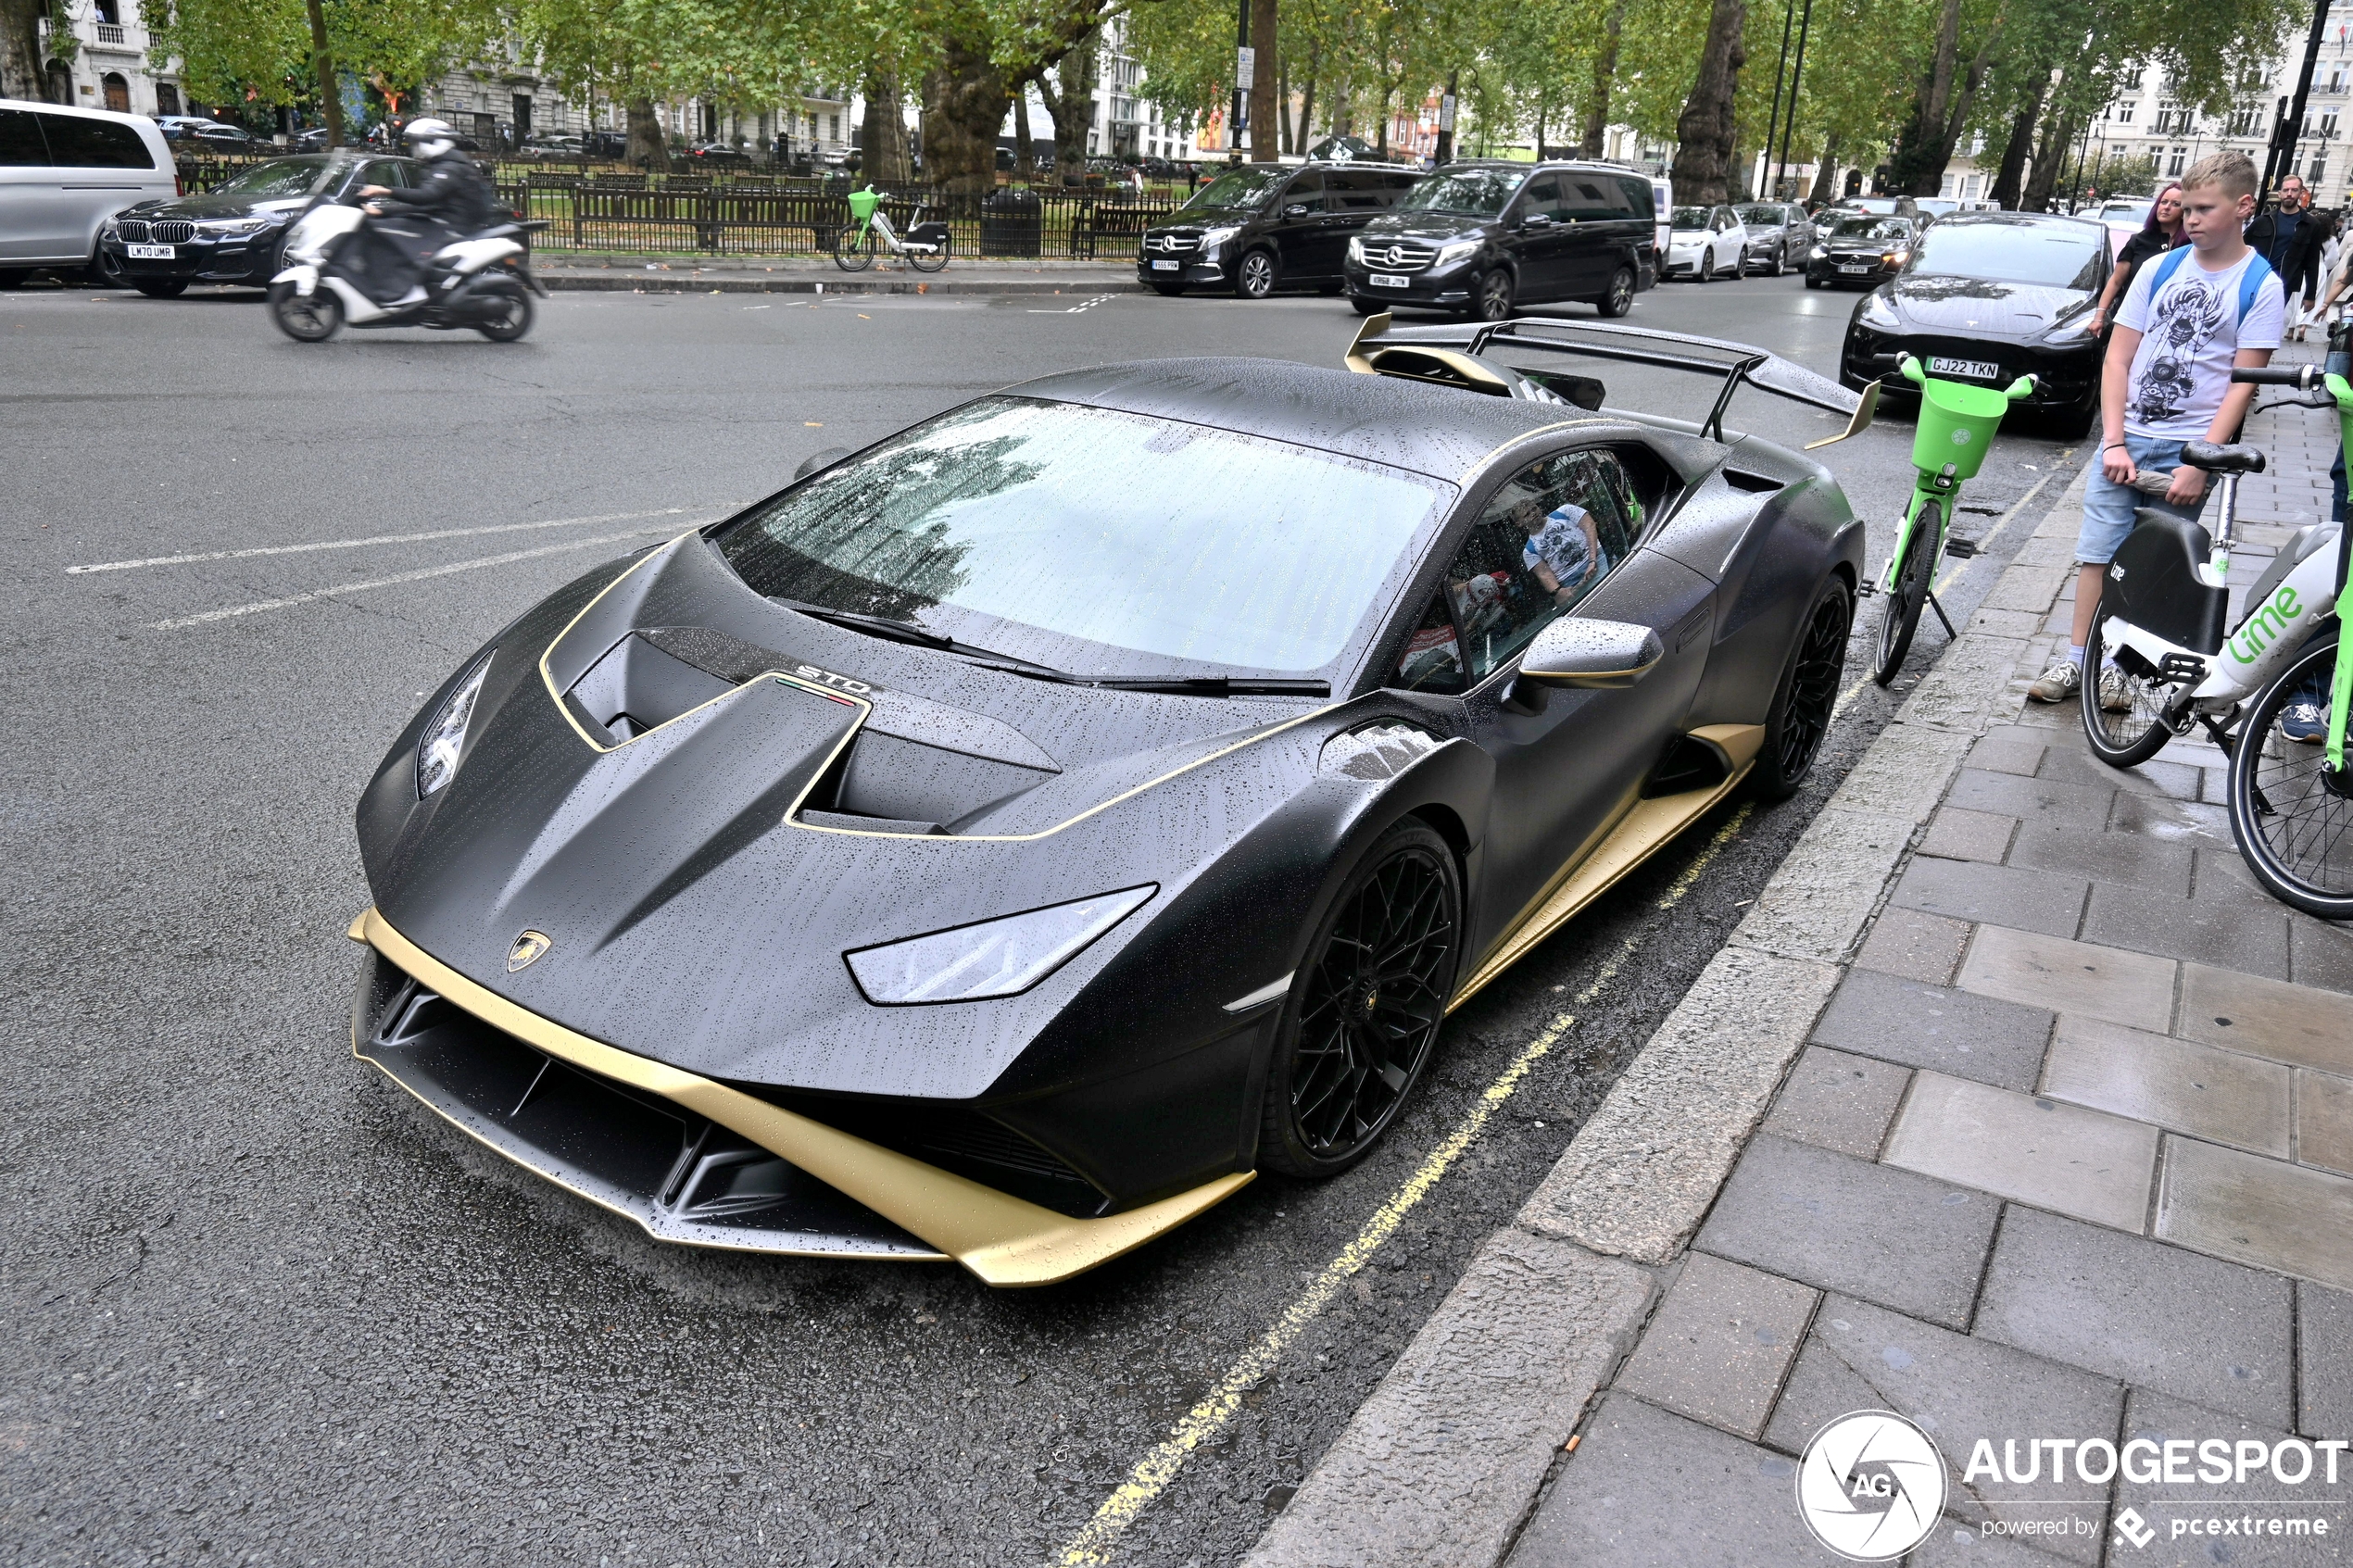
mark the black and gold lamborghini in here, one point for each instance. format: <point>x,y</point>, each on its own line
<point>1007,840</point>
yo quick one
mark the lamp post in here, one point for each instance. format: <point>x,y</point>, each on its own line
<point>1796,79</point>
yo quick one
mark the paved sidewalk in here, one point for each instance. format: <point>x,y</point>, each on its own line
<point>814,274</point>
<point>2013,1108</point>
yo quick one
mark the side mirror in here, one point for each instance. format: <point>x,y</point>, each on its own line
<point>1536,221</point>
<point>818,462</point>
<point>1574,652</point>
<point>1296,210</point>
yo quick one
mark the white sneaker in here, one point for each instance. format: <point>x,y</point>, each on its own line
<point>2116,696</point>
<point>2059,683</point>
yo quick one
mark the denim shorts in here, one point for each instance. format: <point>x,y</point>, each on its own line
<point>2107,506</point>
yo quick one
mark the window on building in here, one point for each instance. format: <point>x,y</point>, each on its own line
<point>167,98</point>
<point>117,92</point>
<point>1971,186</point>
<point>2132,80</point>
<point>2328,122</point>
<point>2174,161</point>
<point>2242,120</point>
<point>833,128</point>
<point>2317,171</point>
<point>2124,112</point>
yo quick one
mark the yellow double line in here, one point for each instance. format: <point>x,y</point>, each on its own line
<point>1093,1545</point>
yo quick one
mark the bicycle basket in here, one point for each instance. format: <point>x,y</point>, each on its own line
<point>1957,425</point>
<point>862,204</point>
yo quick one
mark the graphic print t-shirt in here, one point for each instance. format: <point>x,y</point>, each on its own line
<point>2189,334</point>
<point>1560,546</point>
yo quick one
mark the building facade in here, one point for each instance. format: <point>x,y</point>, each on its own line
<point>2145,119</point>
<point>106,68</point>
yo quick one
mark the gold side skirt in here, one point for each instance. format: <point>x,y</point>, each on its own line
<point>999,1237</point>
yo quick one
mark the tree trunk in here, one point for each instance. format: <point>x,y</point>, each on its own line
<point>1703,135</point>
<point>1826,175</point>
<point>1540,129</point>
<point>1024,141</point>
<point>1939,108</point>
<point>965,101</point>
<point>2050,152</point>
<point>646,149</point>
<point>884,152</point>
<point>1304,137</point>
<point>1282,111</point>
<point>1265,104</point>
<point>2007,183</point>
<point>1445,150</point>
<point>1073,107</point>
<point>1605,73</point>
<point>322,67</point>
<point>20,74</point>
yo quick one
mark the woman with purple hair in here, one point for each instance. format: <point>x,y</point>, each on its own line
<point>2160,235</point>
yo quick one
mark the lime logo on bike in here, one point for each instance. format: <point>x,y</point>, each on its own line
<point>2264,627</point>
<point>1961,436</point>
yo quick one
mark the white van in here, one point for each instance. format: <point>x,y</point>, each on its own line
<point>64,171</point>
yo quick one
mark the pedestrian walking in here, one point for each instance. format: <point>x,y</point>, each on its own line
<point>2190,316</point>
<point>2289,238</point>
<point>2160,235</point>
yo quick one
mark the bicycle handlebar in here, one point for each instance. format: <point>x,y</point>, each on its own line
<point>2304,378</point>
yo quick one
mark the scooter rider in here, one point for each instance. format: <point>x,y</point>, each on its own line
<point>451,201</point>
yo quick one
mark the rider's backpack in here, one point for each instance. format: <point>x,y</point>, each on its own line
<point>2249,281</point>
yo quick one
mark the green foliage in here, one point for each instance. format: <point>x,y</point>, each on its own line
<point>231,47</point>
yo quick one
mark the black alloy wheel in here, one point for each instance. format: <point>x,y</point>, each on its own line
<point>505,316</point>
<point>312,317</point>
<point>1492,302</point>
<point>1254,275</point>
<point>2131,737</point>
<point>1780,259</point>
<point>1365,1007</point>
<point>1909,597</point>
<point>1707,273</point>
<point>2293,818</point>
<point>1620,297</point>
<point>1803,708</point>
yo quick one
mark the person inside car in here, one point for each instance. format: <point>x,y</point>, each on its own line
<point>1563,550</point>
<point>450,201</point>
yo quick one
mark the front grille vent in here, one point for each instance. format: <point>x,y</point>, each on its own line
<point>1171,245</point>
<point>1397,256</point>
<point>163,232</point>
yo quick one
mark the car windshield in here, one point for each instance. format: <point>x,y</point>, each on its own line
<point>1882,204</point>
<point>1763,217</point>
<point>1872,229</point>
<point>1236,187</point>
<point>2012,253</point>
<point>2133,211</point>
<point>279,177</point>
<point>1024,526</point>
<point>1479,192</point>
<point>1693,217</point>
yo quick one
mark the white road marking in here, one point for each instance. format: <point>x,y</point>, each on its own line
<point>342,588</point>
<point>381,539</point>
<point>1075,309</point>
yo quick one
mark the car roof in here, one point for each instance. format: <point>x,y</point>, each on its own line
<point>2019,220</point>
<point>1435,430</point>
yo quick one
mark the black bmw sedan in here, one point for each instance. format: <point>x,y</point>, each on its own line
<point>1988,297</point>
<point>234,233</point>
<point>1857,251</point>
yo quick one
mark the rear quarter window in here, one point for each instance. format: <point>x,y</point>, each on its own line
<point>20,142</point>
<point>76,143</point>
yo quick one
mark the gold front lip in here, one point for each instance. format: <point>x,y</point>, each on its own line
<point>1000,1238</point>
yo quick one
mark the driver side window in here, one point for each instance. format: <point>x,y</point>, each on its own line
<point>1541,544</point>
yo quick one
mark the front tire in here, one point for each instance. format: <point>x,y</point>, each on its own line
<point>2128,739</point>
<point>1780,261</point>
<point>1492,302</point>
<point>1366,1006</point>
<point>1707,273</point>
<point>854,248</point>
<point>1620,297</point>
<point>312,317</point>
<point>1254,275</point>
<point>1905,599</point>
<point>1802,709</point>
<point>2293,826</point>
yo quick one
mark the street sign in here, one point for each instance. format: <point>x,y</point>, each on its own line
<point>1245,68</point>
<point>1446,112</point>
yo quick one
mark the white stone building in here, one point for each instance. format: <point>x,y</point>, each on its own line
<point>2145,117</point>
<point>108,68</point>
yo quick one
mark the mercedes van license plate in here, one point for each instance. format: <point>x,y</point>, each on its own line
<point>1163,267</point>
<point>1387,280</point>
<point>151,253</point>
<point>1977,369</point>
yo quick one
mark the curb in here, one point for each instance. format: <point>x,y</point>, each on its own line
<point>1446,1458</point>
<point>619,281</point>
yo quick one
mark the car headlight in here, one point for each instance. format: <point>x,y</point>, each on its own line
<point>108,230</point>
<point>1356,249</point>
<point>226,226</point>
<point>1211,238</point>
<point>1897,257</point>
<point>446,737</point>
<point>1818,253</point>
<point>996,958</point>
<point>1448,255</point>
<point>2069,330</point>
<point>1877,312</point>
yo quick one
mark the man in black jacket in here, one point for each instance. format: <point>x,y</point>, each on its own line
<point>2290,238</point>
<point>450,201</point>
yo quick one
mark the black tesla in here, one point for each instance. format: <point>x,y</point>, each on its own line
<point>1986,298</point>
<point>234,232</point>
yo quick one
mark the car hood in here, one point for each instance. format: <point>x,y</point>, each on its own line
<point>1981,309</point>
<point>1207,217</point>
<point>202,207</point>
<point>1437,227</point>
<point>698,915</point>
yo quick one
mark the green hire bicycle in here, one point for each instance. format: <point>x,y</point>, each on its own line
<point>1956,426</point>
<point>2292,801</point>
<point>925,249</point>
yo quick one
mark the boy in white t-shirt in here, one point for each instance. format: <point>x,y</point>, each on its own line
<point>2167,380</point>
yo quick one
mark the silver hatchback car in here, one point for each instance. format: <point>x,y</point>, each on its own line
<point>63,172</point>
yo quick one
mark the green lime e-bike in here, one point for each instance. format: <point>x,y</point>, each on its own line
<point>925,249</point>
<point>2291,798</point>
<point>1957,425</point>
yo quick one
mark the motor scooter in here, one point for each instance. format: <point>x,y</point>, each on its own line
<point>483,281</point>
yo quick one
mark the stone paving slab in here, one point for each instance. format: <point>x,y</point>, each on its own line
<point>1903,1240</point>
<point>2323,1362</point>
<point>2216,1094</point>
<point>2263,1211</point>
<point>1948,1031</point>
<point>1957,1388</point>
<point>2173,927</point>
<point>2323,1121</point>
<point>2153,1417</point>
<point>2132,989</point>
<point>1719,1344</point>
<point>1956,833</point>
<point>2057,1157</point>
<point>2291,1023</point>
<point>2024,900</point>
<point>1914,945</point>
<point>2144,1313</point>
<point>1837,1101</point>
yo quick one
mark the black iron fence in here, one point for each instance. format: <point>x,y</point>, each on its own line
<point>605,208</point>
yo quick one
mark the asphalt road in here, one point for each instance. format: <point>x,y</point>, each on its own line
<point>263,1308</point>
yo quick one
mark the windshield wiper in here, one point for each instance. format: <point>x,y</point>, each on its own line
<point>1174,685</point>
<point>874,625</point>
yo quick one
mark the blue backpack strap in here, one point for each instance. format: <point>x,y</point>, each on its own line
<point>2167,268</point>
<point>2250,282</point>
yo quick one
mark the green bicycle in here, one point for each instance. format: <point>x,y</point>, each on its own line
<point>2292,801</point>
<point>925,249</point>
<point>1956,426</point>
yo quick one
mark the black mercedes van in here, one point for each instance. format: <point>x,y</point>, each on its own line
<point>1258,227</point>
<point>1485,238</point>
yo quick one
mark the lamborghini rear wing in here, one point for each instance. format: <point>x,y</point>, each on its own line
<point>1733,364</point>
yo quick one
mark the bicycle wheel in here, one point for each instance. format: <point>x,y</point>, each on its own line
<point>1901,617</point>
<point>2293,820</point>
<point>930,261</point>
<point>854,248</point>
<point>2131,737</point>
